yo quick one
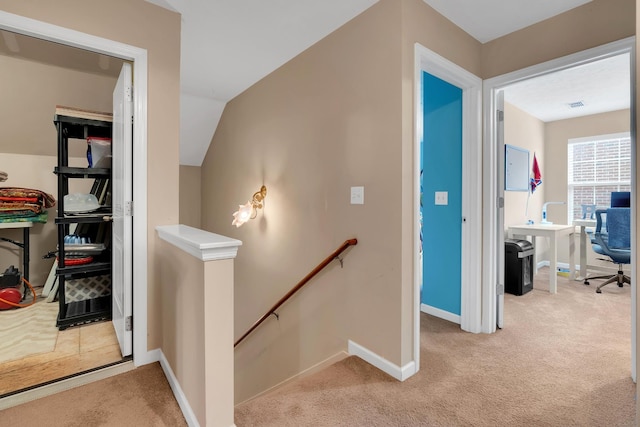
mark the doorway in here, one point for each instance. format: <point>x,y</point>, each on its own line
<point>37,76</point>
<point>493,226</point>
<point>20,25</point>
<point>470,209</point>
<point>441,200</point>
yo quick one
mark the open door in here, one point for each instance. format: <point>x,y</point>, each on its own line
<point>122,255</point>
<point>500,210</point>
<point>442,204</point>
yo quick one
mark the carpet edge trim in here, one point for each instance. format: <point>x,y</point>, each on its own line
<point>64,385</point>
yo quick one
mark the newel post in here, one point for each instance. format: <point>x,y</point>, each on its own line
<point>200,348</point>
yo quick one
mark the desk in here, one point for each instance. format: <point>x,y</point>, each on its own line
<point>583,224</point>
<point>552,232</point>
<point>25,225</point>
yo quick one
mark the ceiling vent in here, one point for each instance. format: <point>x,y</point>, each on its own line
<point>577,104</point>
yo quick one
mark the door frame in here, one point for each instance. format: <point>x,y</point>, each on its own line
<point>471,85</point>
<point>492,169</point>
<point>27,26</point>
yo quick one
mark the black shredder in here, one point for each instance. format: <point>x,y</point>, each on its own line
<point>518,266</point>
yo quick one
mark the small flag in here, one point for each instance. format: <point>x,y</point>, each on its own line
<point>536,176</point>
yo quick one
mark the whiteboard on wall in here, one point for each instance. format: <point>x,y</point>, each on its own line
<point>516,168</point>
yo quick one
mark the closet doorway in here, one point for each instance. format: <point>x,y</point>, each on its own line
<point>37,76</point>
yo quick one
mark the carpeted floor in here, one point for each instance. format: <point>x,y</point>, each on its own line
<point>561,360</point>
<point>140,398</point>
<point>28,331</point>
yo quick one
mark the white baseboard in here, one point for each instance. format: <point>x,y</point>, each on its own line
<point>563,265</point>
<point>455,318</point>
<point>150,356</point>
<point>603,268</point>
<point>188,413</point>
<point>397,372</point>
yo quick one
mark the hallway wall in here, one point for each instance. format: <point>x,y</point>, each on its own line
<point>332,118</point>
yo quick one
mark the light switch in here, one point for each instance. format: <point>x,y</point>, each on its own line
<point>442,197</point>
<point>357,195</point>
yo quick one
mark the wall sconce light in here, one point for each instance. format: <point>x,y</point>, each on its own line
<point>250,209</point>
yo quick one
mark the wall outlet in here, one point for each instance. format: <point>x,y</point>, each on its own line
<point>442,197</point>
<point>357,195</point>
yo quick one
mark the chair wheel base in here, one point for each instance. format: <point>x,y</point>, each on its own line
<point>598,291</point>
<point>586,282</point>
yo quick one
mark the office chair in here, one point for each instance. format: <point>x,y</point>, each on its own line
<point>616,244</point>
<point>588,211</point>
<point>620,199</point>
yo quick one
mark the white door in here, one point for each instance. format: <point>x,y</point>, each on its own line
<point>121,265</point>
<point>500,210</point>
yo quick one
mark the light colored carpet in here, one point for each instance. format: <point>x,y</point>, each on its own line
<point>140,398</point>
<point>28,331</point>
<point>561,360</point>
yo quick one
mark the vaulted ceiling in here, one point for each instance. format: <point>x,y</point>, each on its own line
<point>228,45</point>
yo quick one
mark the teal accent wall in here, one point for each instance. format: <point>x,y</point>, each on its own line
<point>442,171</point>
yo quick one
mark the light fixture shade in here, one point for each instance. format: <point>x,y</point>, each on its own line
<point>243,214</point>
<point>250,209</point>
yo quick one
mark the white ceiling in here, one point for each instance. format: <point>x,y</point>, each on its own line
<point>486,20</point>
<point>228,45</point>
<point>600,86</point>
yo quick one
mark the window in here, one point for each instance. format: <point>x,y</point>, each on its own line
<point>597,166</point>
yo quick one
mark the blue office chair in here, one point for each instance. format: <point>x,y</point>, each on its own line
<point>616,243</point>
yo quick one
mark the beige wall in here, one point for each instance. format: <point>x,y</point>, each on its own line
<point>190,195</point>
<point>197,307</point>
<point>524,131</point>
<point>593,24</point>
<point>331,118</point>
<point>557,135</point>
<point>137,23</point>
<point>31,171</point>
<point>421,24</point>
<point>32,90</point>
<point>549,142</point>
<point>319,98</point>
<point>29,142</point>
<point>182,277</point>
<point>327,120</point>
<point>339,115</point>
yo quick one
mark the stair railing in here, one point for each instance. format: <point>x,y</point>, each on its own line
<point>319,267</point>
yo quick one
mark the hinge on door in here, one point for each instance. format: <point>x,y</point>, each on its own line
<point>500,115</point>
<point>128,208</point>
<point>500,202</point>
<point>128,323</point>
<point>499,289</point>
<point>128,93</point>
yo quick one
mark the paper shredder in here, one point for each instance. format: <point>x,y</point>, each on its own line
<point>518,266</point>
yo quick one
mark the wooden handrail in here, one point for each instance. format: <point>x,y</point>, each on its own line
<point>323,264</point>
